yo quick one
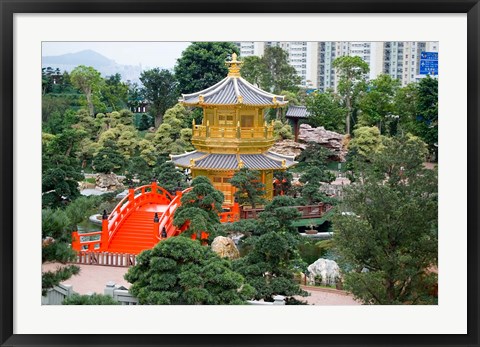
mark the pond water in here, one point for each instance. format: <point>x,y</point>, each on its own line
<point>87,226</point>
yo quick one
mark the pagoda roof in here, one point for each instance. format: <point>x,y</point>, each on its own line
<point>233,90</point>
<point>297,112</point>
<point>215,161</point>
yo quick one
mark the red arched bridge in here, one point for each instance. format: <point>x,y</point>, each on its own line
<point>145,216</point>
<point>139,221</point>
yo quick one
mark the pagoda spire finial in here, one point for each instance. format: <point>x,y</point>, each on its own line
<point>234,66</point>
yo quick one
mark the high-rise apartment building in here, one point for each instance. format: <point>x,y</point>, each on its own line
<point>298,55</point>
<point>313,61</point>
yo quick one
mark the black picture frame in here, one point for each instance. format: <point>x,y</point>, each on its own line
<point>9,7</point>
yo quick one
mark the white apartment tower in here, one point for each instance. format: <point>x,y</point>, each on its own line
<point>313,61</point>
<point>299,56</point>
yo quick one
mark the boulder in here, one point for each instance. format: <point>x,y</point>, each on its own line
<point>326,269</point>
<point>288,147</point>
<point>328,139</point>
<point>225,247</point>
<point>108,182</point>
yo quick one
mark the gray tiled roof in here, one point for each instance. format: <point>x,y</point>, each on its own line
<point>218,161</point>
<point>260,161</point>
<point>230,91</point>
<point>264,161</point>
<point>297,112</point>
<point>184,159</point>
<point>289,160</point>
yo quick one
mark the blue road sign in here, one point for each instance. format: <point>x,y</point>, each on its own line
<point>429,55</point>
<point>428,67</point>
<point>429,63</point>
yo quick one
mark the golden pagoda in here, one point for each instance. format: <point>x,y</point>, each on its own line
<point>233,133</point>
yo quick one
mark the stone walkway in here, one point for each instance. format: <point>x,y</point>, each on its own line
<point>93,279</point>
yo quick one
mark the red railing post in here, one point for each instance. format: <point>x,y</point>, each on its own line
<point>76,241</point>
<point>104,237</point>
<point>154,187</point>
<point>236,211</point>
<point>131,194</point>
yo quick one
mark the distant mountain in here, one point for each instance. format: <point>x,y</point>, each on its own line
<point>87,57</point>
<point>107,67</point>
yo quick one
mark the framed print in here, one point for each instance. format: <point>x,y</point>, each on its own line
<point>432,45</point>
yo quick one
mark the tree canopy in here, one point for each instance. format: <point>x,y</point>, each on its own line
<point>89,81</point>
<point>271,72</point>
<point>351,81</point>
<point>200,208</point>
<point>161,90</point>
<point>387,241</point>
<point>274,259</point>
<point>180,271</point>
<point>202,64</point>
<point>249,188</point>
<point>377,104</point>
<point>326,110</point>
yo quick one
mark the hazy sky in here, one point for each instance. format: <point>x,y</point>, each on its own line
<point>149,54</point>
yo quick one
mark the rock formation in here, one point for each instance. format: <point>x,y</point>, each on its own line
<point>288,147</point>
<point>326,269</point>
<point>108,182</point>
<point>328,139</point>
<point>225,247</point>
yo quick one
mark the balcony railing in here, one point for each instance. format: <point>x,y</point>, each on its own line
<point>265,132</point>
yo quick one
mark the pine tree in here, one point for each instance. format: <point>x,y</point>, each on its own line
<point>388,240</point>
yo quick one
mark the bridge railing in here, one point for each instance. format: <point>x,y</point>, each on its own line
<point>111,223</point>
<point>308,211</point>
<point>136,197</point>
<point>166,219</point>
<point>230,216</point>
<point>86,241</point>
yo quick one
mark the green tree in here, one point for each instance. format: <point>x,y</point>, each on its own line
<point>89,81</point>
<point>366,142</point>
<point>283,182</point>
<point>160,89</point>
<point>174,134</point>
<point>388,241</point>
<point>326,110</point>
<point>427,112</point>
<point>278,215</point>
<point>274,259</point>
<point>352,76</point>
<point>169,177</point>
<point>377,105</point>
<point>406,100</point>
<point>253,70</point>
<point>146,122</point>
<point>94,299</point>
<point>282,130</point>
<point>179,271</point>
<point>61,170</point>
<point>115,92</point>
<point>56,239</point>
<point>202,64</point>
<point>200,208</point>
<point>272,71</point>
<point>313,162</point>
<point>109,159</point>
<point>249,188</point>
<point>138,169</point>
<point>271,264</point>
